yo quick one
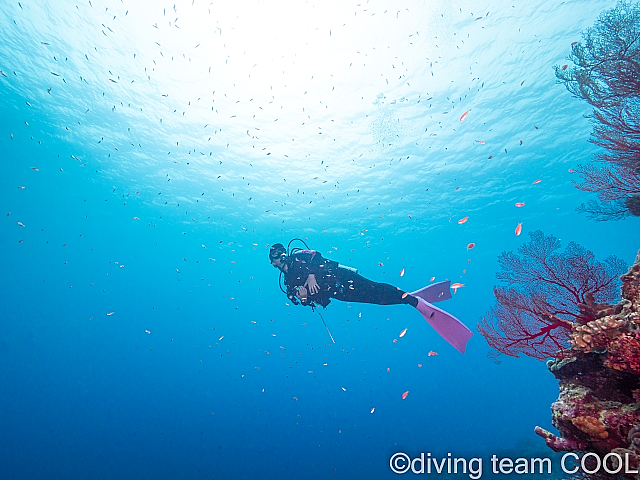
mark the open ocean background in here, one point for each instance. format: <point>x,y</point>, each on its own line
<point>175,142</point>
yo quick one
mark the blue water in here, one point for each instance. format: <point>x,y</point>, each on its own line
<point>174,143</point>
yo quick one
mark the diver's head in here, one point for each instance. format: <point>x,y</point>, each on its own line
<point>277,255</point>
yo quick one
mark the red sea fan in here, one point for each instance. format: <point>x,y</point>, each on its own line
<point>519,324</point>
<point>618,190</point>
<point>548,293</point>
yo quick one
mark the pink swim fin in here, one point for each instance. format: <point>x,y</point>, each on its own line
<point>449,327</point>
<point>436,292</point>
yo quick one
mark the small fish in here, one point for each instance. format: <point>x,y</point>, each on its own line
<point>344,389</point>
<point>388,369</point>
<point>402,272</point>
<point>148,332</point>
<point>2,73</point>
<point>21,187</point>
<point>536,127</point>
<point>432,279</point>
<point>456,286</point>
<point>404,395</point>
<point>520,204</point>
<point>221,338</point>
<point>373,409</point>
<point>419,365</point>
<point>537,181</point>
<point>464,115</point>
<point>462,220</point>
<point>402,333</point>
<point>136,218</point>
<point>409,216</point>
<point>21,224</point>
<point>470,246</point>
<point>519,229</point>
<point>34,168</point>
<point>404,295</point>
<point>564,67</point>
<point>481,143</point>
<point>431,352</point>
<point>490,157</point>
<point>380,264</point>
<point>395,340</point>
<point>571,170</point>
<point>520,142</point>
<point>110,313</point>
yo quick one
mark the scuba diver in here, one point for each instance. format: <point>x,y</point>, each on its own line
<point>310,279</point>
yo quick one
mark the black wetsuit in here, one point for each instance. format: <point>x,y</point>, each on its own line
<point>337,282</point>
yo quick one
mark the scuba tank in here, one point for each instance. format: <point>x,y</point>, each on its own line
<point>351,269</point>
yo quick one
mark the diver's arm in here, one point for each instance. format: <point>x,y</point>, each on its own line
<point>302,295</point>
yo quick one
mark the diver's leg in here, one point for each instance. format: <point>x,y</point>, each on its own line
<point>352,287</point>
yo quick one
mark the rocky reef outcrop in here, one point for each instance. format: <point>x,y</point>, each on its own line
<point>598,408</point>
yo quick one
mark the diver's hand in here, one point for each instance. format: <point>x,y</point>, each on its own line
<point>312,284</point>
<point>302,294</point>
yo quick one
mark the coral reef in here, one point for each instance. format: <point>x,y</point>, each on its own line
<point>598,408</point>
<point>551,295</point>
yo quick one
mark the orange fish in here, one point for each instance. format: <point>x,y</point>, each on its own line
<point>462,220</point>
<point>395,340</point>
<point>470,246</point>
<point>409,216</point>
<point>520,204</point>
<point>419,365</point>
<point>456,286</point>
<point>432,279</point>
<point>481,143</point>
<point>570,170</point>
<point>464,115</point>
<point>402,333</point>
<point>536,127</point>
<point>404,395</point>
<point>380,264</point>
<point>537,181</point>
<point>404,295</point>
<point>564,67</point>
<point>519,229</point>
<point>431,352</point>
<point>402,272</point>
<point>388,369</point>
